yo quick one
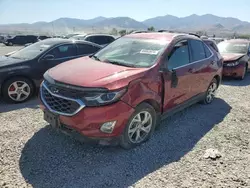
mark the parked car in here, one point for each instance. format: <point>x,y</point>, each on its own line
<point>101,39</point>
<point>236,54</point>
<point>22,71</point>
<point>122,91</point>
<point>20,40</point>
<point>42,37</point>
<point>2,39</point>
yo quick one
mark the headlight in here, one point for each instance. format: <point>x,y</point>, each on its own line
<point>233,64</point>
<point>98,99</point>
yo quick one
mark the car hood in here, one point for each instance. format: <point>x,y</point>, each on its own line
<point>6,61</point>
<point>231,56</point>
<point>87,72</point>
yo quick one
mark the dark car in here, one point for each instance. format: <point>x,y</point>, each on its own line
<point>101,39</point>
<point>121,92</point>
<point>2,39</point>
<point>22,71</point>
<point>42,37</point>
<point>20,40</point>
<point>236,55</point>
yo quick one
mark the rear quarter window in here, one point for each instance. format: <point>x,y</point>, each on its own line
<point>207,51</point>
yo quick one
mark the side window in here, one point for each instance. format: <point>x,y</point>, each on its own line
<point>91,39</point>
<point>66,50</point>
<point>207,51</point>
<point>86,49</point>
<point>110,39</point>
<point>99,39</point>
<point>198,52</point>
<point>179,56</point>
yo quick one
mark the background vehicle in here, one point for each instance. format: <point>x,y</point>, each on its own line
<point>101,39</point>
<point>42,37</point>
<point>22,71</point>
<point>20,40</point>
<point>1,39</point>
<point>129,85</point>
<point>236,54</point>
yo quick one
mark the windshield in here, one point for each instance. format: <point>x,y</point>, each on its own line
<point>233,47</point>
<point>132,52</point>
<point>31,51</point>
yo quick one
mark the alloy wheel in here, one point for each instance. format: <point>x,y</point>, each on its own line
<point>19,91</point>
<point>140,127</point>
<point>211,92</point>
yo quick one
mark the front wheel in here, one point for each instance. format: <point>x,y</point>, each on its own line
<point>211,92</point>
<point>140,127</point>
<point>17,90</point>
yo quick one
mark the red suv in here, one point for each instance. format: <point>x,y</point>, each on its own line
<point>121,92</point>
<point>236,54</point>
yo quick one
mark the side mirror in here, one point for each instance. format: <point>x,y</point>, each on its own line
<point>48,57</point>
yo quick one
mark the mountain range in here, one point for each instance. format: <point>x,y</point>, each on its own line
<point>208,23</point>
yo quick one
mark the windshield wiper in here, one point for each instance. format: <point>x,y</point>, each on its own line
<point>120,63</point>
<point>95,57</point>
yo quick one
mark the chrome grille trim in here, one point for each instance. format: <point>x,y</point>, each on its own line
<point>81,104</point>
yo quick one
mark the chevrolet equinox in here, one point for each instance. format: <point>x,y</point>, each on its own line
<point>120,93</point>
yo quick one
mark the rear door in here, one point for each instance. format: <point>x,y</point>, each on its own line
<point>200,68</point>
<point>178,62</point>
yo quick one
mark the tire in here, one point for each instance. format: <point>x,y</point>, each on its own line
<point>211,92</point>
<point>244,73</point>
<point>127,140</point>
<point>15,87</point>
<point>10,44</point>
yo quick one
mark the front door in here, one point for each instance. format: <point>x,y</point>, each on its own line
<point>179,64</point>
<point>54,57</point>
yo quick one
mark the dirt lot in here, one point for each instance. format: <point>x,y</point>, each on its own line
<point>33,155</point>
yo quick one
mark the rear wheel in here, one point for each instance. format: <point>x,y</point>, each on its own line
<point>211,92</point>
<point>17,90</point>
<point>140,127</point>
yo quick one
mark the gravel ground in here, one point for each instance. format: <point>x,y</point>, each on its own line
<point>34,155</point>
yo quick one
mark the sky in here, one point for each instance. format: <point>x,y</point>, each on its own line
<point>30,11</point>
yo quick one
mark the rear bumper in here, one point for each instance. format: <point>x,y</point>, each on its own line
<point>236,71</point>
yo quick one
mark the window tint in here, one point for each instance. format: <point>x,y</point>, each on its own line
<point>207,51</point>
<point>179,56</point>
<point>63,51</point>
<point>86,49</point>
<point>198,52</point>
<point>100,39</point>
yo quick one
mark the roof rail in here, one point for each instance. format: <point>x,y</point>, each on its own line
<point>171,31</point>
<point>141,31</point>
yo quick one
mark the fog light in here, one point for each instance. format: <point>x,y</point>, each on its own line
<point>108,127</point>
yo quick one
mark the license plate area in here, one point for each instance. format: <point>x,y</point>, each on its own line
<point>52,119</point>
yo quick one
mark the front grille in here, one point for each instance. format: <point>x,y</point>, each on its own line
<point>66,92</point>
<point>58,103</point>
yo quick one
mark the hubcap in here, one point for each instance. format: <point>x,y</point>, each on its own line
<point>211,92</point>
<point>140,127</point>
<point>19,91</point>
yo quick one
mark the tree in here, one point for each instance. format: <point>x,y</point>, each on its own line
<point>123,32</point>
<point>151,28</point>
<point>114,31</point>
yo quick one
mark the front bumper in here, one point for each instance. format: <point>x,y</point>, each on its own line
<point>88,121</point>
<point>236,71</point>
